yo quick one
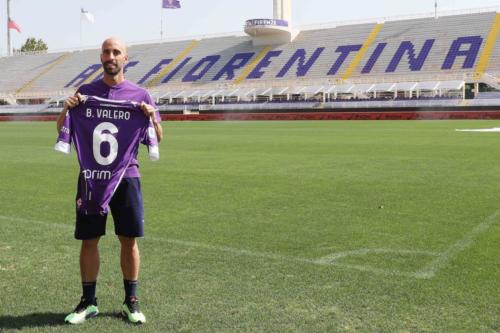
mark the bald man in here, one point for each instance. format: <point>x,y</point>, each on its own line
<point>126,204</point>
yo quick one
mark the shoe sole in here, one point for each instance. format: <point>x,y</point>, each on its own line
<point>90,315</point>
<point>125,316</point>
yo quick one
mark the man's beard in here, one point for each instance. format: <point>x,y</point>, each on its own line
<point>111,71</point>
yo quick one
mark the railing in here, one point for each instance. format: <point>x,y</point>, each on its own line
<point>488,78</point>
<point>18,52</point>
<point>273,22</point>
<point>143,42</point>
<point>36,95</point>
<point>399,18</point>
<point>468,77</point>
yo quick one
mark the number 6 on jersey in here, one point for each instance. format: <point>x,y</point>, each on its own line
<point>99,137</point>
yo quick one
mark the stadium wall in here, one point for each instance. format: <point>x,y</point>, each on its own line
<point>306,115</point>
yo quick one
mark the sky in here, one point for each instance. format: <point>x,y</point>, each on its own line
<point>58,22</point>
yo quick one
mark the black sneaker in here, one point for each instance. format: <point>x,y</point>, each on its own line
<point>130,310</point>
<point>83,311</point>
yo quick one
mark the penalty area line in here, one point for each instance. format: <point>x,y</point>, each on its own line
<point>330,260</point>
<point>316,262</point>
<point>431,269</point>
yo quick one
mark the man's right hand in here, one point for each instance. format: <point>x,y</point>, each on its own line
<point>72,101</point>
<point>69,103</point>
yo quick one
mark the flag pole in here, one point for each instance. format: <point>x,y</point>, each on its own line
<point>161,22</point>
<point>9,42</point>
<point>435,9</point>
<point>81,19</point>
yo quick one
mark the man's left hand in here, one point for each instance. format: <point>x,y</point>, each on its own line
<point>148,110</point>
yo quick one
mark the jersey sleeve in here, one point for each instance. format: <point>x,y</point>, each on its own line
<point>63,143</point>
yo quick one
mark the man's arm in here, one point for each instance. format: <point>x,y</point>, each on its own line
<point>150,111</point>
<point>158,129</point>
<point>69,103</point>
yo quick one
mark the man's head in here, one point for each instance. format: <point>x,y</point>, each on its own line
<point>114,56</point>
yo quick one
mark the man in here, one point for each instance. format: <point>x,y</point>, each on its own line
<point>126,204</point>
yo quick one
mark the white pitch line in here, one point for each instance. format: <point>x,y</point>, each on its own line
<point>49,224</point>
<point>483,130</point>
<point>339,255</point>
<point>330,260</point>
<point>442,260</point>
<point>319,262</point>
<point>227,249</point>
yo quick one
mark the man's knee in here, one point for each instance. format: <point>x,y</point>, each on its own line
<point>90,244</point>
<point>127,242</point>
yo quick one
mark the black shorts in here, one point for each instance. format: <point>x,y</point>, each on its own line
<point>126,207</point>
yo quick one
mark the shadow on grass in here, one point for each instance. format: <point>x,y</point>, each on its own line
<point>34,320</point>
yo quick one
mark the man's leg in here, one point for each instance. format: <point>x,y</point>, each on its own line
<point>128,214</point>
<point>88,229</point>
<point>130,261</point>
<point>89,260</point>
<point>89,269</point>
<point>129,258</point>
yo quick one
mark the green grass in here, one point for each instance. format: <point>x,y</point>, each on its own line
<point>270,227</point>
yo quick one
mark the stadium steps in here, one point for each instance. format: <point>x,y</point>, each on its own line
<point>444,30</point>
<point>22,68</point>
<point>255,61</point>
<point>489,45</point>
<point>149,57</point>
<point>359,55</point>
<point>43,72</point>
<point>171,66</point>
<point>491,81</point>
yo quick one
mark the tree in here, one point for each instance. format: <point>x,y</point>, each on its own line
<point>32,44</point>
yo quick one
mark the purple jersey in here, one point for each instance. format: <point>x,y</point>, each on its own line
<point>106,135</point>
<point>125,90</point>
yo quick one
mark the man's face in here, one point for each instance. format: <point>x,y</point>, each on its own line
<point>113,56</point>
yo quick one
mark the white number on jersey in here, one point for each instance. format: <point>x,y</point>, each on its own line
<point>99,137</point>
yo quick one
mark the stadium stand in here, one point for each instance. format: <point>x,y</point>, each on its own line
<point>422,61</point>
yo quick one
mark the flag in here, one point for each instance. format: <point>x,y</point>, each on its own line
<point>13,25</point>
<point>89,17</point>
<point>171,4</point>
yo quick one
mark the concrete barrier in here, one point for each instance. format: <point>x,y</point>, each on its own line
<point>238,116</point>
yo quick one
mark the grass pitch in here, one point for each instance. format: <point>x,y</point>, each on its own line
<point>374,226</point>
